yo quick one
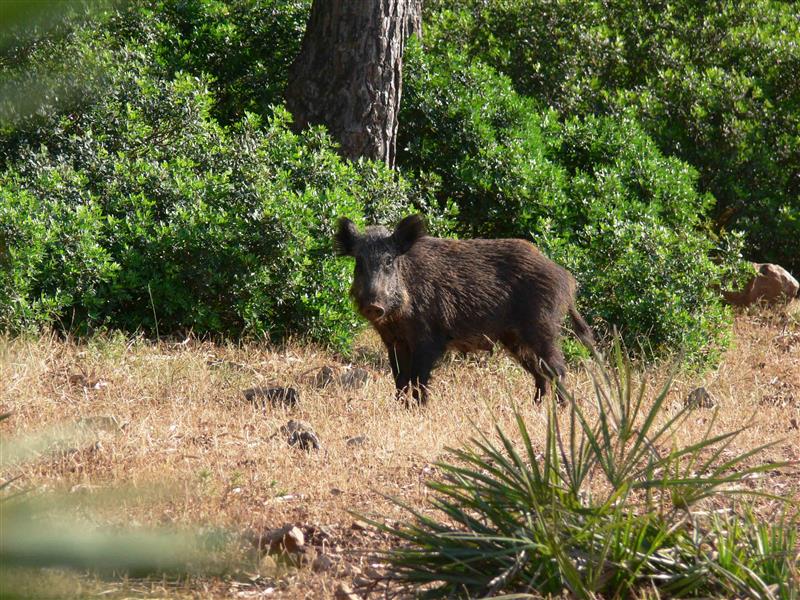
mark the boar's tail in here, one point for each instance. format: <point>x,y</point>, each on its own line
<point>582,331</point>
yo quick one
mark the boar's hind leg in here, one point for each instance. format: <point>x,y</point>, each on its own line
<point>423,359</point>
<point>550,360</point>
<point>530,362</point>
<point>541,357</point>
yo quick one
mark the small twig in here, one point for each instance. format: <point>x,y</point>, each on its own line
<point>497,584</point>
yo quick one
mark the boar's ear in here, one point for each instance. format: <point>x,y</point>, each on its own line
<point>345,238</point>
<point>408,231</point>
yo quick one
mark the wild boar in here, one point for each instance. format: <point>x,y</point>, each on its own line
<point>426,295</point>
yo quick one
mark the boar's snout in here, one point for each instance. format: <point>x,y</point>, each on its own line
<point>373,312</point>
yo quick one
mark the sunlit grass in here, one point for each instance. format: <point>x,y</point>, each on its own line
<point>192,457</point>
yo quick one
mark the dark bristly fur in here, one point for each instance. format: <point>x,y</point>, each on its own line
<point>426,295</point>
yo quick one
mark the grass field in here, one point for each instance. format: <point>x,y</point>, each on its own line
<point>181,425</point>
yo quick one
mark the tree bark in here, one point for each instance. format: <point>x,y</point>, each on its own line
<point>414,18</point>
<point>348,75</point>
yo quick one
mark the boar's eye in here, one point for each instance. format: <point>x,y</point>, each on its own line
<point>387,262</point>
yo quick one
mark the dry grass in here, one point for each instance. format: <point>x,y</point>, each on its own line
<point>186,424</point>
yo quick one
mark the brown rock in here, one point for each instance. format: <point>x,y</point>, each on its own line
<point>699,398</point>
<point>324,377</point>
<point>349,378</point>
<point>373,573</point>
<point>344,592</point>
<point>274,396</point>
<point>301,435</point>
<point>772,283</point>
<point>322,563</point>
<point>354,378</point>
<point>362,582</point>
<point>294,540</point>
<point>286,539</point>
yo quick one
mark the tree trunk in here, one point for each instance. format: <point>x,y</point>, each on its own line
<point>348,75</point>
<point>414,12</point>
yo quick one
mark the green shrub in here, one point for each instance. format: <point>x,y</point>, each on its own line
<point>464,123</point>
<point>712,83</point>
<point>244,47</point>
<point>183,211</point>
<point>637,240</point>
<point>168,222</point>
<point>596,194</point>
<point>52,260</point>
<point>140,193</point>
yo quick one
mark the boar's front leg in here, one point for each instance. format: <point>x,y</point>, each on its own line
<point>400,362</point>
<point>425,355</point>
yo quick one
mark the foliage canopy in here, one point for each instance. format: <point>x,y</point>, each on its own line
<point>713,83</point>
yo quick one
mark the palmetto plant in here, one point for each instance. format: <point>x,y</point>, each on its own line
<point>607,506</point>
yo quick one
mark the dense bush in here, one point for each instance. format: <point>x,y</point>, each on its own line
<point>142,211</point>
<point>241,48</point>
<point>712,83</point>
<point>185,202</point>
<point>245,47</point>
<point>465,124</point>
<point>595,193</point>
